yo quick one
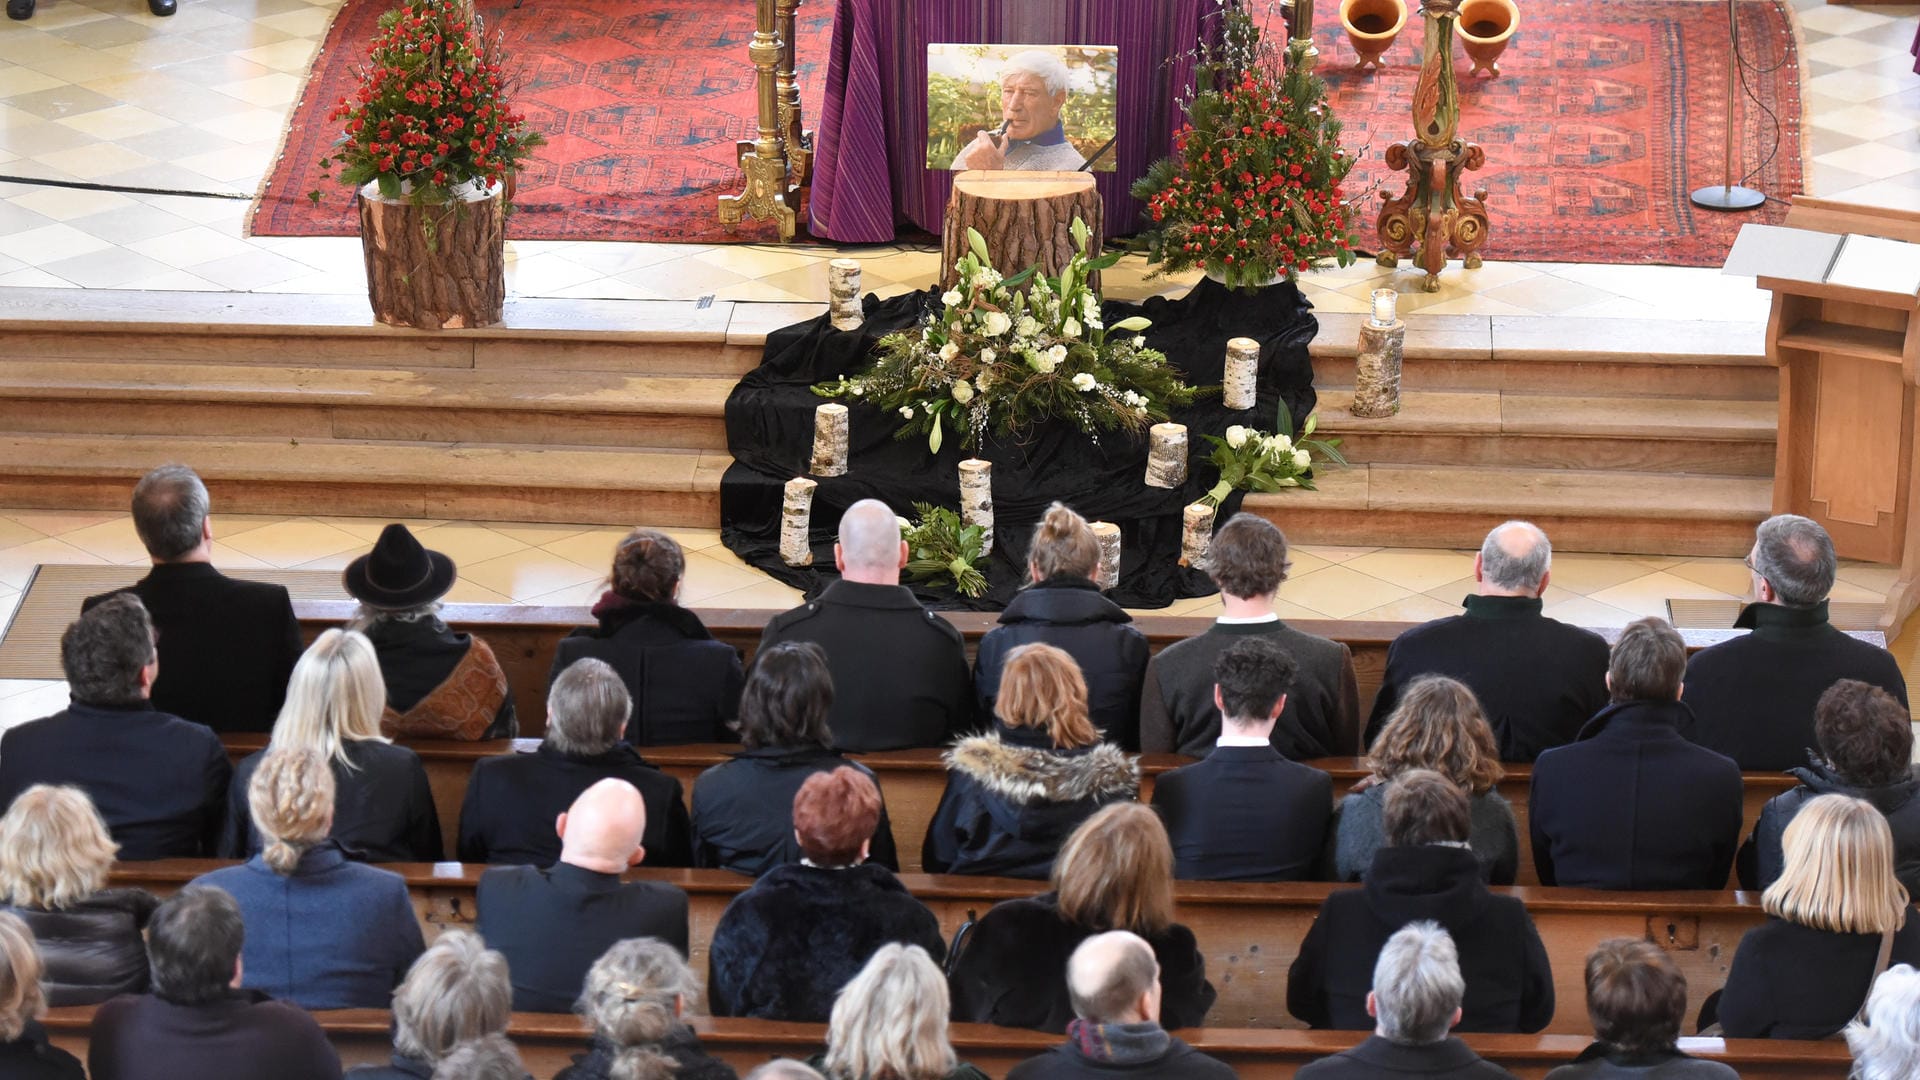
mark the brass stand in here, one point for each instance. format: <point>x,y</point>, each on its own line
<point>799,142</point>
<point>1432,215</point>
<point>1300,22</point>
<point>764,160</point>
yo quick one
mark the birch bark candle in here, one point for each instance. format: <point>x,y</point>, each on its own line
<point>1238,385</point>
<point>1109,536</point>
<point>976,498</point>
<point>843,294</point>
<point>1376,381</point>
<point>829,441</point>
<point>1167,455</point>
<point>1196,534</point>
<point>796,523</point>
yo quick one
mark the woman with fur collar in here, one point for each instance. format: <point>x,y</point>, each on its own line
<point>1015,793</point>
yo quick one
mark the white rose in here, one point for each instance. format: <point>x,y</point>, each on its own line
<point>963,391</point>
<point>906,411</point>
<point>951,297</point>
<point>1044,363</point>
<point>949,351</point>
<point>1071,328</point>
<point>1301,459</point>
<point>988,356</point>
<point>1236,436</point>
<point>1139,342</point>
<point>1085,382</point>
<point>1280,446</point>
<point>997,323</point>
<point>984,380</point>
<point>1026,327</point>
<point>1057,353</point>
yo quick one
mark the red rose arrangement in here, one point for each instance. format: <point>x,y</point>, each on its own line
<point>1252,192</point>
<point>431,114</point>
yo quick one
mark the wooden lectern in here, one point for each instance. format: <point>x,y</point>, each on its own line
<point>1849,359</point>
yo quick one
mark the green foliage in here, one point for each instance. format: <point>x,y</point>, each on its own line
<point>939,545</point>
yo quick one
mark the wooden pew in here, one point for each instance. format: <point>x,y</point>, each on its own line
<point>1249,933</point>
<point>914,779</point>
<point>547,1043</point>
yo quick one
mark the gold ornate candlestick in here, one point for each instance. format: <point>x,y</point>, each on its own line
<point>764,160</point>
<point>793,135</point>
<point>1432,216</point>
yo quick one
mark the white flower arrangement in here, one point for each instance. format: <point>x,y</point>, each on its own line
<point>1256,461</point>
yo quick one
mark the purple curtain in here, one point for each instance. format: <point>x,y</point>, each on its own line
<point>870,165</point>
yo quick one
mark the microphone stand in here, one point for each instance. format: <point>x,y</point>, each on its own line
<point>1729,195</point>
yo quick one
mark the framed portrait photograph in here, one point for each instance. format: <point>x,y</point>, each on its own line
<point>1022,107</point>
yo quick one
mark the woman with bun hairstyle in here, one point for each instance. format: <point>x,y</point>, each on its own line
<point>636,1001</point>
<point>1063,607</point>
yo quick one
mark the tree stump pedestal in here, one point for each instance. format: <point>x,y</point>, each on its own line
<point>435,266</point>
<point>1025,218</point>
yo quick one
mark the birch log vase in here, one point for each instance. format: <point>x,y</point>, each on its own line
<point>1167,455</point>
<point>843,294</point>
<point>1109,536</point>
<point>976,499</point>
<point>829,441</point>
<point>1376,381</point>
<point>796,523</point>
<point>1196,534</point>
<point>1241,380</point>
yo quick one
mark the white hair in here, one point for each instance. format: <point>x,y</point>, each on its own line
<point>1506,570</point>
<point>891,1020</point>
<point>1039,62</point>
<point>1417,985</point>
<point>1887,1046</point>
<point>870,536</point>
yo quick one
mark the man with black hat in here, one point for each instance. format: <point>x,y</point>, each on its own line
<point>441,684</point>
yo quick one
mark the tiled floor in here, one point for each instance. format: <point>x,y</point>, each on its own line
<point>98,90</point>
<point>566,564</point>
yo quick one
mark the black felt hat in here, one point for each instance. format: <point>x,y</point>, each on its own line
<point>399,572</point>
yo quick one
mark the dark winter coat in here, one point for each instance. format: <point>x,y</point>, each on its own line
<point>1634,805</point>
<point>383,807</point>
<point>785,947</point>
<point>1360,829</point>
<point>743,809</point>
<point>1070,614</point>
<point>1790,981</point>
<point>691,1061</point>
<point>396,1068</point>
<point>1012,971</point>
<point>899,671</point>
<point>1538,680</point>
<point>1012,800</point>
<point>159,782</point>
<point>1322,717</point>
<point>1601,1062</point>
<point>245,1035</point>
<point>32,1057</point>
<point>1762,859</point>
<point>685,685</point>
<point>227,647</point>
<point>1509,981</point>
<point>1071,1061</point>
<point>92,950</point>
<point>1378,1058</point>
<point>1244,813</point>
<point>512,801</point>
<point>417,656</point>
<point>552,924</point>
<point>1753,697</point>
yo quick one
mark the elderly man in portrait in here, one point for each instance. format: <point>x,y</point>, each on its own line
<point>1033,94</point>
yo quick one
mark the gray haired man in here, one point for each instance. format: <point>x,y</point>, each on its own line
<point>1415,1001</point>
<point>1538,679</point>
<point>1033,94</point>
<point>1753,697</point>
<point>1113,981</point>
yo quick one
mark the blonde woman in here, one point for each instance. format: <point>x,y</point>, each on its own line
<point>1114,873</point>
<point>55,855</point>
<point>1438,725</point>
<point>1836,918</point>
<point>1015,793</point>
<point>456,995</point>
<point>383,807</point>
<point>635,1000</point>
<point>322,932</point>
<point>890,1023</point>
<point>1063,607</point>
<point>24,1051</point>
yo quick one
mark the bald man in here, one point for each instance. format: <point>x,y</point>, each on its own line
<point>900,674</point>
<point>1114,982</point>
<point>1538,679</point>
<point>553,923</point>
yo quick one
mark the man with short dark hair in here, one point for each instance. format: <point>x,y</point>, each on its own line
<point>1632,804</point>
<point>1245,813</point>
<point>1538,679</point>
<point>196,1022</point>
<point>1113,981</point>
<point>512,799</point>
<point>227,647</point>
<point>1248,560</point>
<point>552,924</point>
<point>1866,751</point>
<point>1415,1002</point>
<point>159,783</point>
<point>1753,697</point>
<point>900,672</point>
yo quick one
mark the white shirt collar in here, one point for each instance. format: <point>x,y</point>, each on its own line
<point>1226,620</point>
<point>1241,740</point>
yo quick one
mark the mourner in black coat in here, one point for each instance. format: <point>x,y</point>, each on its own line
<point>383,808</point>
<point>1634,805</point>
<point>1899,802</point>
<point>1109,1051</point>
<point>243,1035</point>
<point>1012,798</point>
<point>552,924</point>
<point>31,1056</point>
<point>743,809</point>
<point>93,949</point>
<point>1448,1059</point>
<point>512,800</point>
<point>681,1047</point>
<point>1245,814</point>
<point>785,947</point>
<point>1791,981</point>
<point>685,685</point>
<point>1069,613</point>
<point>1538,679</point>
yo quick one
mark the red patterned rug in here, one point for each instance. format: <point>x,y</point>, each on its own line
<point>1604,117</point>
<point>641,105</point>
